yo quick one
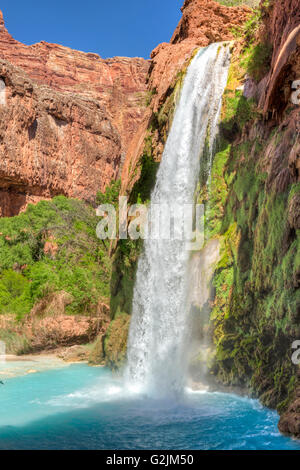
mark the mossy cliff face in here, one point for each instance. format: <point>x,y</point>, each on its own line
<point>253,206</point>
<point>256,310</point>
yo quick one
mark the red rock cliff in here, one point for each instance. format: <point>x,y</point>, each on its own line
<point>67,118</point>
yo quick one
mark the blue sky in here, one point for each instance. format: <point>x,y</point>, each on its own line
<point>108,27</point>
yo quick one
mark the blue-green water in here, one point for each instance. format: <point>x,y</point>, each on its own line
<point>80,407</point>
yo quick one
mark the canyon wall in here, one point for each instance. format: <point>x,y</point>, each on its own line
<point>67,118</point>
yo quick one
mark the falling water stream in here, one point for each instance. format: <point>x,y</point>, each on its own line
<point>158,331</point>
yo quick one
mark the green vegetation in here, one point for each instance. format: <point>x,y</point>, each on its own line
<point>239,111</point>
<point>256,57</point>
<point>96,355</point>
<point>149,96</point>
<point>214,195</point>
<point>123,275</point>
<point>234,3</point>
<point>15,343</point>
<point>257,302</point>
<point>52,247</point>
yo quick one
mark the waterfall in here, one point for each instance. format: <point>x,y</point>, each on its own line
<point>158,330</point>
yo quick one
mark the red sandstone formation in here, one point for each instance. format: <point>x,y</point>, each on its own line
<point>66,120</point>
<point>203,22</point>
<point>282,30</point>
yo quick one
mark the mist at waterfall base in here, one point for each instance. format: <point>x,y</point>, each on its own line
<point>150,407</point>
<point>82,407</point>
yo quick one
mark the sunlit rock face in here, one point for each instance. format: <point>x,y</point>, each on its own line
<point>66,120</point>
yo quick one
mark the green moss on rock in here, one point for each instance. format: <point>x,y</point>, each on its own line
<point>255,315</point>
<point>53,247</point>
<point>96,355</point>
<point>115,343</point>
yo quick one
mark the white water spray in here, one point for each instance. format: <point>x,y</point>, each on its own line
<point>158,330</point>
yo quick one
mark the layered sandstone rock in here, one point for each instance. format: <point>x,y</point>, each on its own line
<point>51,143</point>
<point>66,120</point>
